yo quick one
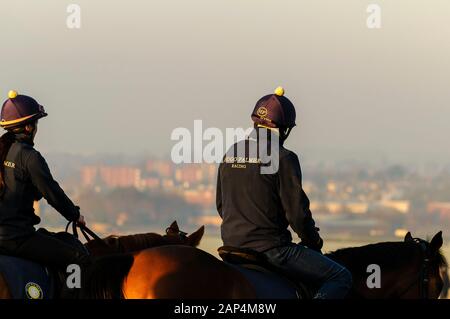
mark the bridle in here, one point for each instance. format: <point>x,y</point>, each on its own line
<point>424,274</point>
<point>180,233</point>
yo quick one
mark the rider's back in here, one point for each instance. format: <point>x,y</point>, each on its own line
<point>251,203</point>
<point>17,213</point>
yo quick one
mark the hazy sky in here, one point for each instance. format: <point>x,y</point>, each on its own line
<point>138,69</point>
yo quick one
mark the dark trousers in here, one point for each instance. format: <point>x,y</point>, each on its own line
<point>56,250</point>
<point>310,267</point>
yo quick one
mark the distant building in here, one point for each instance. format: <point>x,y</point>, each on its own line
<point>401,206</point>
<point>111,176</point>
<point>120,176</point>
<point>204,198</point>
<point>210,173</point>
<point>167,183</point>
<point>190,174</point>
<point>330,207</point>
<point>332,187</point>
<point>357,207</point>
<point>88,176</point>
<point>160,168</point>
<point>334,207</point>
<point>150,182</point>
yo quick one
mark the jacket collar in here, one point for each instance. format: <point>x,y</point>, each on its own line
<point>24,138</point>
<point>254,134</point>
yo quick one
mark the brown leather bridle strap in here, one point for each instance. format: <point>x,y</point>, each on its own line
<point>423,275</point>
<point>180,233</point>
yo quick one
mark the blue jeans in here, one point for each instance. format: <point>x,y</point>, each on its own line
<point>312,268</point>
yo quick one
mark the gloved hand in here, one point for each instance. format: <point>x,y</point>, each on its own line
<point>81,221</point>
<point>317,246</point>
<point>314,245</point>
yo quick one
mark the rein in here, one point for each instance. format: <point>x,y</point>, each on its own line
<point>423,275</point>
<point>88,234</point>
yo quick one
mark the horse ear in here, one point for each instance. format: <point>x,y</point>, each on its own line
<point>408,236</point>
<point>437,241</point>
<point>174,226</point>
<point>195,238</point>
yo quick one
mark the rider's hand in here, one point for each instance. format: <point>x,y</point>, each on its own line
<point>317,245</point>
<point>81,220</point>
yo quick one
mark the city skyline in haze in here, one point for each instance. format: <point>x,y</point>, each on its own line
<point>133,73</point>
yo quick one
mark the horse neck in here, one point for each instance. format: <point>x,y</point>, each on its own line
<point>138,242</point>
<point>399,263</point>
<point>124,244</point>
<point>380,252</point>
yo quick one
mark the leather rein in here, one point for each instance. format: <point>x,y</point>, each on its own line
<point>88,234</point>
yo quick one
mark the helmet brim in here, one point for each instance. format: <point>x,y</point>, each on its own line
<point>22,121</point>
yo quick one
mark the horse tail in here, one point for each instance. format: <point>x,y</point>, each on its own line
<point>105,276</point>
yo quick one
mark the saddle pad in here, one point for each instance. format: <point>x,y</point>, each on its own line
<point>25,279</point>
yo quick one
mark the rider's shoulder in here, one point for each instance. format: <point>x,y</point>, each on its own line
<point>21,148</point>
<point>24,147</point>
<point>28,151</point>
<point>288,155</point>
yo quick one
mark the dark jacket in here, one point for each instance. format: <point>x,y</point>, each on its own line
<point>27,179</point>
<point>258,208</point>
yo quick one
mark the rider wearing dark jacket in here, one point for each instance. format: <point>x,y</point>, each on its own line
<point>258,207</point>
<point>25,178</point>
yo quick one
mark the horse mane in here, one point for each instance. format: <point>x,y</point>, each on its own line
<point>384,253</point>
<point>104,278</point>
<point>125,244</point>
<point>441,260</point>
<point>132,243</point>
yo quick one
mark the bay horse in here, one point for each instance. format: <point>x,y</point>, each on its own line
<point>409,269</point>
<point>123,246</point>
<point>137,242</point>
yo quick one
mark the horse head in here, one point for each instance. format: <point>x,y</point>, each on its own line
<point>432,264</point>
<point>408,269</point>
<point>175,236</point>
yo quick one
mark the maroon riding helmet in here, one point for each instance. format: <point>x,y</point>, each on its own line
<point>275,111</point>
<point>19,110</point>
